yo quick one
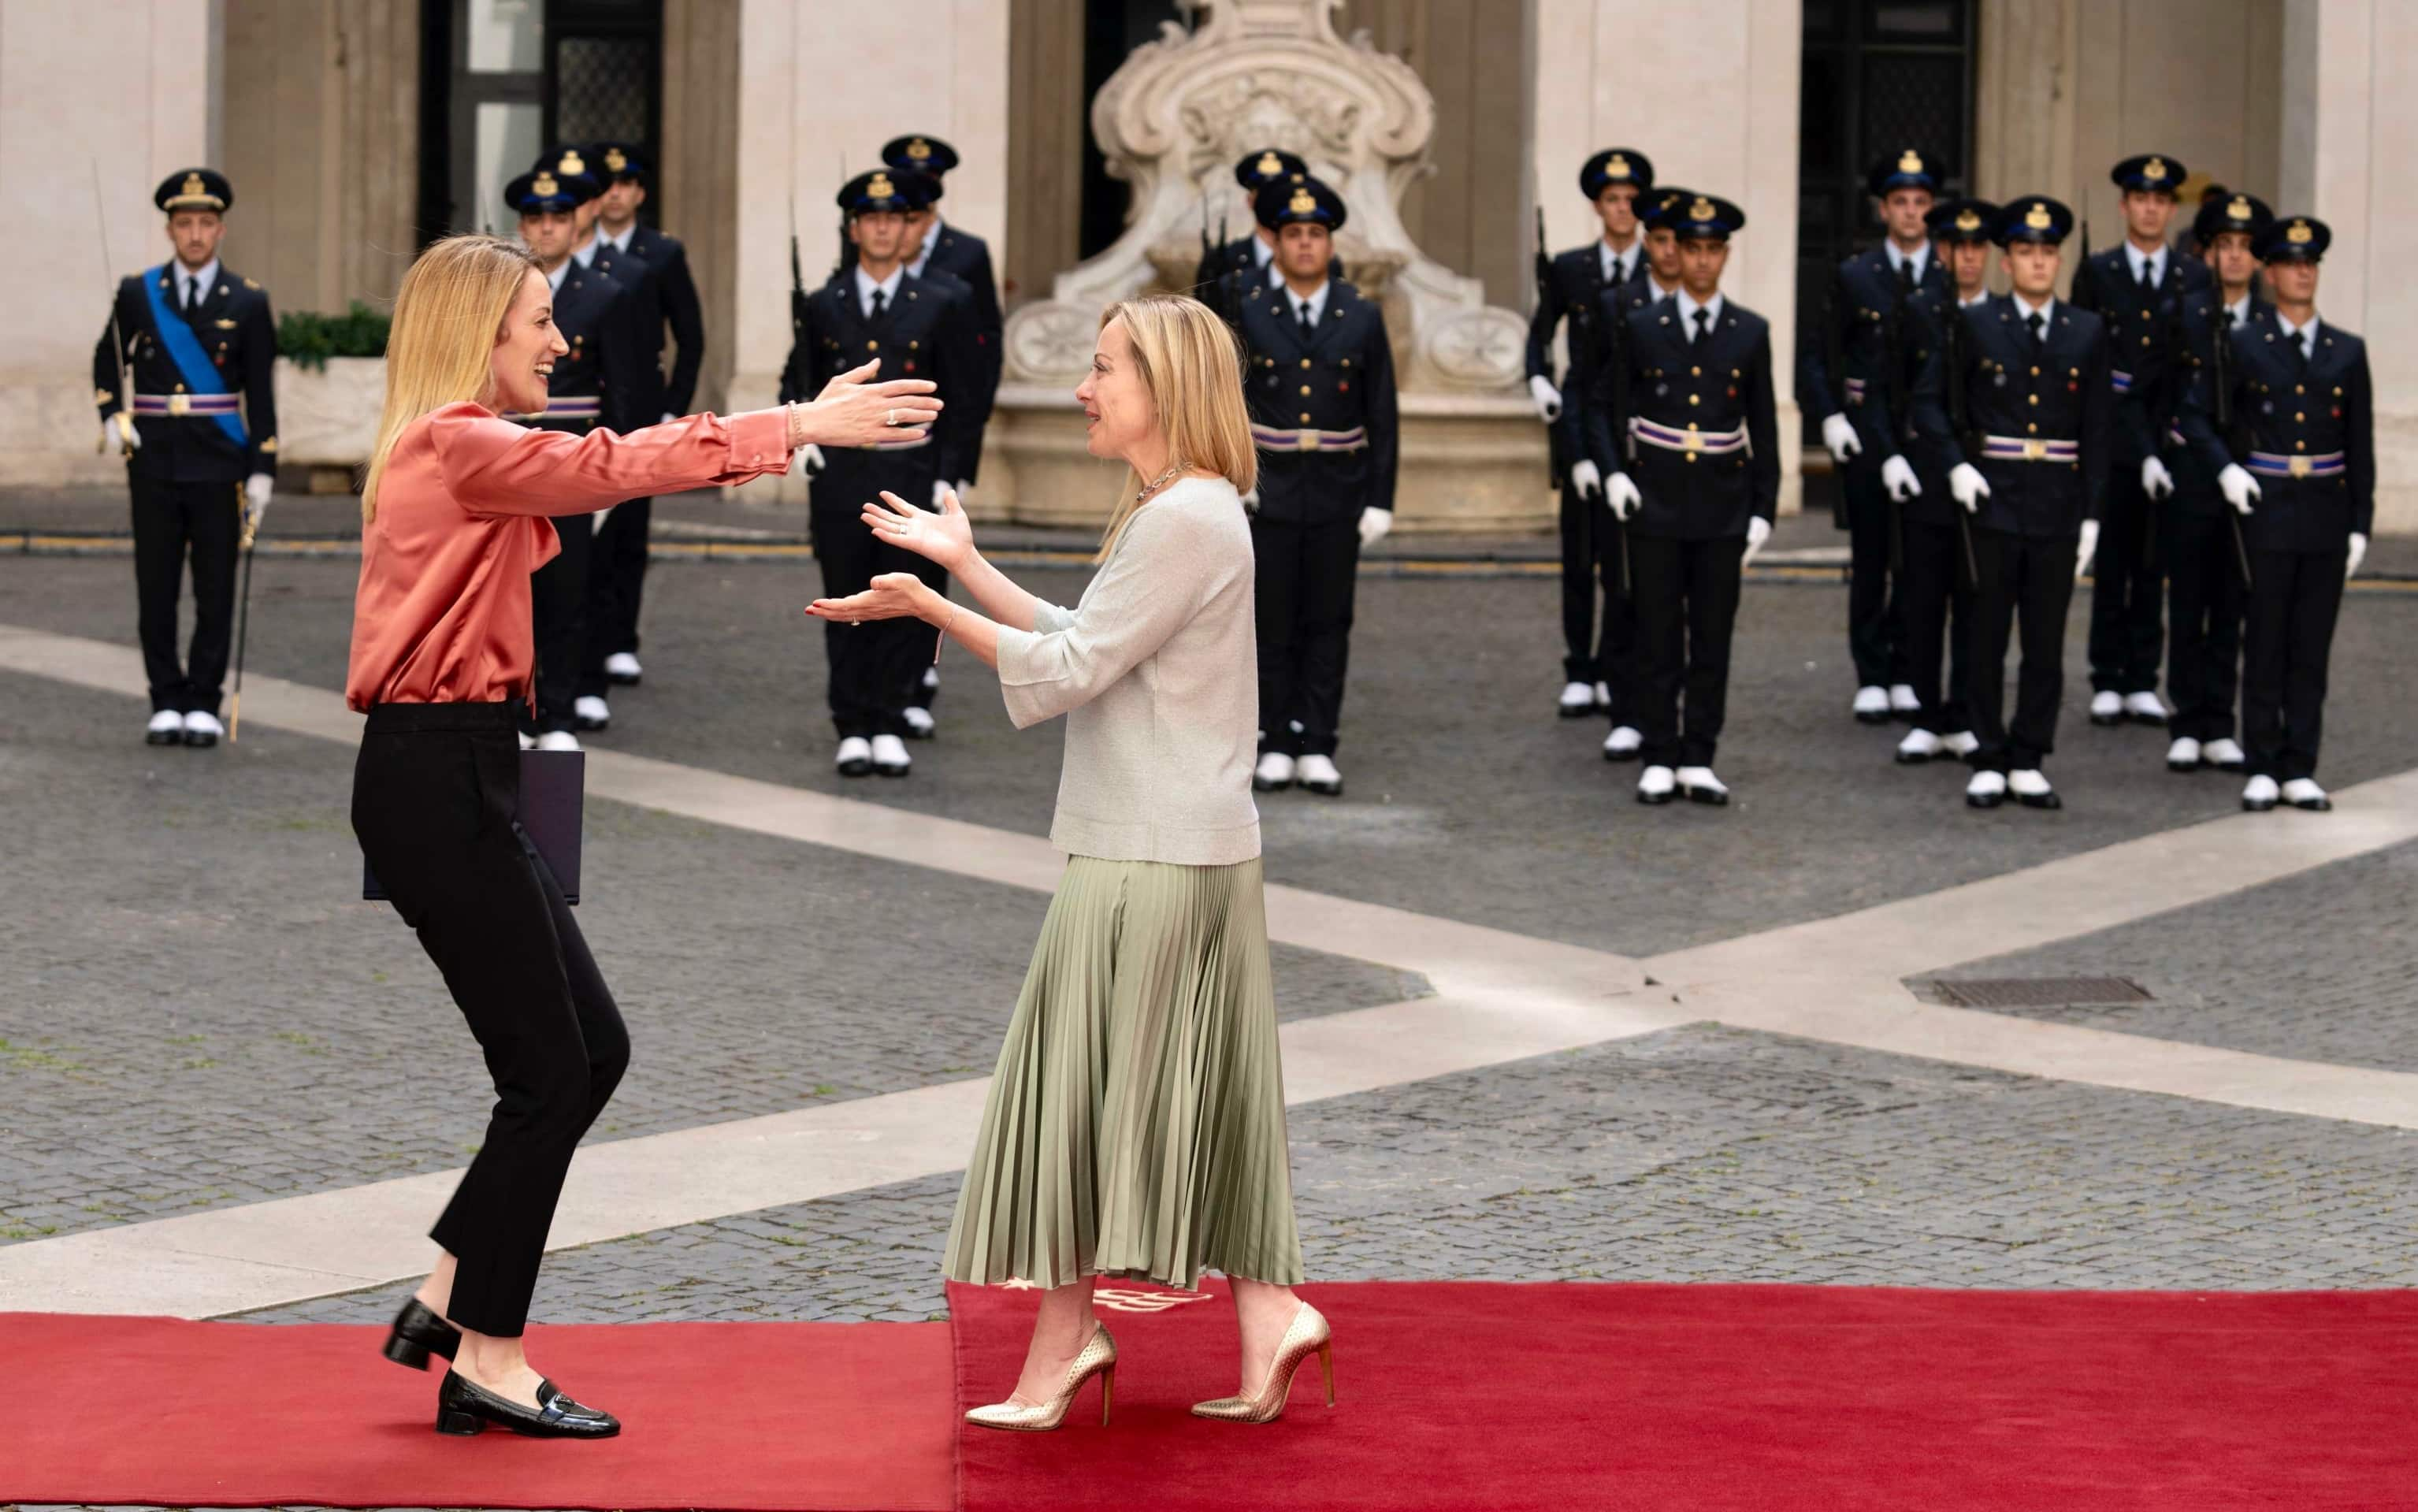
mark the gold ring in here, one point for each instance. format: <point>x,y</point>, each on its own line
<point>890,416</point>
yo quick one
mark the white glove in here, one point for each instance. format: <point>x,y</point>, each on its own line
<point>1897,476</point>
<point>2358,553</point>
<point>1586,478</point>
<point>1251,502</point>
<point>1966,486</point>
<point>1839,435</point>
<point>1548,398</point>
<point>939,492</point>
<point>2155,481</point>
<point>256,490</point>
<point>1623,495</point>
<point>814,458</point>
<point>1374,523</point>
<point>2238,487</point>
<point>2087,549</point>
<point>118,431</point>
<point>667,418</point>
<point>965,492</point>
<point>1758,530</point>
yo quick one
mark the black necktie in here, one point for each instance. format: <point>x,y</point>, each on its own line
<point>878,302</point>
<point>2038,323</point>
<point>2301,342</point>
<point>192,295</point>
<point>1301,317</point>
<point>1905,275</point>
<point>2148,273</point>
<point>1703,321</point>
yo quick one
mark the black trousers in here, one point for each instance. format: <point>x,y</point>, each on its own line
<point>1935,592</point>
<point>617,576</point>
<point>2205,598</point>
<point>1687,599</point>
<point>1876,618</point>
<point>559,620</point>
<point>1586,529</point>
<point>2127,597</point>
<point>2031,577</point>
<point>435,805</point>
<point>172,520</point>
<point>1306,575</point>
<point>874,667</point>
<point>1616,655</point>
<point>2295,597</point>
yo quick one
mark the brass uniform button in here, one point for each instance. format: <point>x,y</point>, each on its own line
<point>1305,391</point>
<point>1691,399</point>
<point>1305,361</point>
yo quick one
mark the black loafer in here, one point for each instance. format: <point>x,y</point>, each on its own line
<point>1718,798</point>
<point>2047,800</point>
<point>1985,800</point>
<point>199,738</point>
<point>2256,805</point>
<point>862,767</point>
<point>167,737</point>
<point>465,1408</point>
<point>2108,721</point>
<point>417,1334</point>
<point>2314,805</point>
<point>1882,717</point>
<point>1655,799</point>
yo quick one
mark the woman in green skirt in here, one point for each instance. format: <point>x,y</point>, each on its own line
<point>1136,1124</point>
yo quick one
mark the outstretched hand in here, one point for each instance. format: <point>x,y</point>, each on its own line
<point>892,596</point>
<point>946,537</point>
<point>853,410</point>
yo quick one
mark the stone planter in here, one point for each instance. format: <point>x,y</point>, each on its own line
<point>327,419</point>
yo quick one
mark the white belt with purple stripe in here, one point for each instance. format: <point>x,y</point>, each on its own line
<point>2121,382</point>
<point>1856,391</point>
<point>1691,441</point>
<point>180,406</point>
<point>1268,439</point>
<point>2276,465</point>
<point>2029,448</point>
<point>566,407</point>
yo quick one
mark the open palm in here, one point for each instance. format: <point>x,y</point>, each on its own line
<point>945,536</point>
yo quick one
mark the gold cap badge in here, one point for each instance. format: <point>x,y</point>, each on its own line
<point>616,159</point>
<point>544,187</point>
<point>194,186</point>
<point>1617,167</point>
<point>881,187</point>
<point>1303,202</point>
<point>2239,210</point>
<point>1911,163</point>
<point>2300,233</point>
<point>1270,165</point>
<point>919,150</point>
<point>1701,210</point>
<point>1969,220</point>
<point>2155,170</point>
<point>2037,217</point>
<point>574,163</point>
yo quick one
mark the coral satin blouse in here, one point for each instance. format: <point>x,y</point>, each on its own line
<point>442,614</point>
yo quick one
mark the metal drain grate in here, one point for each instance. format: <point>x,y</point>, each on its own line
<point>2040,991</point>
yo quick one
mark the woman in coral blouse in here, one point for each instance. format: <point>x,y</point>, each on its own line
<point>454,517</point>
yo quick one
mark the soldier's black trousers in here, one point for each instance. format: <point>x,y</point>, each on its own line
<point>558,617</point>
<point>2205,597</point>
<point>2030,578</point>
<point>171,521</point>
<point>617,576</point>
<point>1586,546</point>
<point>1687,599</point>
<point>1936,594</point>
<point>1875,615</point>
<point>435,805</point>
<point>1618,652</point>
<point>875,665</point>
<point>2127,597</point>
<point>2295,597</point>
<point>1307,575</point>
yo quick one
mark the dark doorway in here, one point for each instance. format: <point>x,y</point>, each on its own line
<point>500,79</point>
<point>1111,30</point>
<point>1878,74</point>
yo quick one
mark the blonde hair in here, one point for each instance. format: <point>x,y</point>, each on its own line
<point>1192,364</point>
<point>441,349</point>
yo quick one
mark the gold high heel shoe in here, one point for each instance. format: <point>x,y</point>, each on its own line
<point>1098,1357</point>
<point>1307,1334</point>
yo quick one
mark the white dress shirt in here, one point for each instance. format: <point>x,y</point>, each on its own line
<point>889,287</point>
<point>189,279</point>
<point>931,240</point>
<point>2155,261</point>
<point>2238,311</point>
<point>620,243</point>
<point>2046,310</point>
<point>562,271</point>
<point>1316,300</point>
<point>1688,308</point>
<point>1617,265</point>
<point>2304,336</point>
<point>1919,257</point>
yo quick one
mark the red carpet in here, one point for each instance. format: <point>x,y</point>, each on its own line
<point>756,1416</point>
<point>1676,1398</point>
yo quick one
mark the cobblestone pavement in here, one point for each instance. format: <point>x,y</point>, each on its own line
<point>1467,798</point>
<point>1695,1154</point>
<point>2321,966</point>
<point>197,1009</point>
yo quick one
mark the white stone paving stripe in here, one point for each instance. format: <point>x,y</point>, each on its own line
<point>1501,997</point>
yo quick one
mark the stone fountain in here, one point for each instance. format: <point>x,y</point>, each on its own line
<point>1172,121</point>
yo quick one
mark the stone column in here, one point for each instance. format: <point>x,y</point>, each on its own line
<point>1608,73</point>
<point>2351,112</point>
<point>133,85</point>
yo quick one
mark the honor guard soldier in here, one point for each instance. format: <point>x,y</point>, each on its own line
<point>1685,433</point>
<point>1934,577</point>
<point>876,311</point>
<point>1318,374</point>
<point>1657,278</point>
<point>667,302</point>
<point>2206,559</point>
<point>1851,379</point>
<point>182,375</point>
<point>962,255</point>
<point>2299,469</point>
<point>2020,423</point>
<point>588,387</point>
<point>2138,289</point>
<point>1569,286</point>
<point>1250,260</point>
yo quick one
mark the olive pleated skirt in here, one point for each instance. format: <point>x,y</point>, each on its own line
<point>1136,1125</point>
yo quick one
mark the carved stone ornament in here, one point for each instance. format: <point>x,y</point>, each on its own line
<point>1173,121</point>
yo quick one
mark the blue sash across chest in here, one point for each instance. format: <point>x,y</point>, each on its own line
<point>201,374</point>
